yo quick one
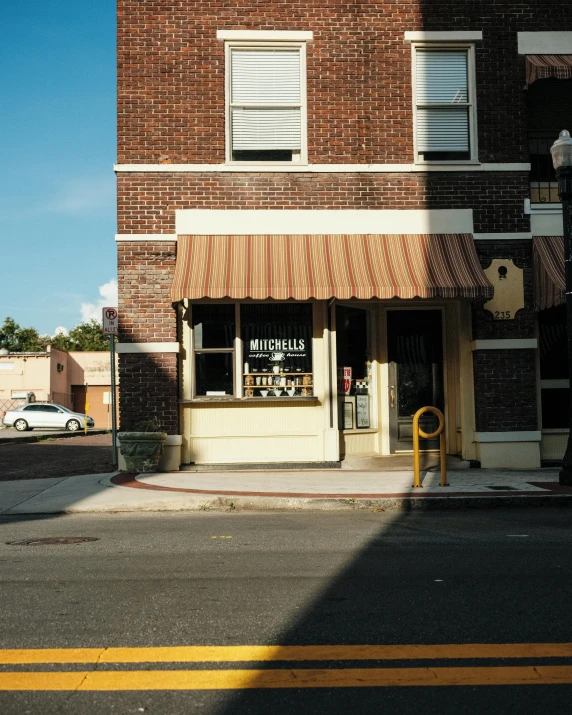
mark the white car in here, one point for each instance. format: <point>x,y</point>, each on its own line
<point>45,415</point>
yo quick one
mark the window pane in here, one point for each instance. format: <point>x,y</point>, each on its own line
<point>552,343</point>
<point>441,76</point>
<point>555,408</point>
<point>213,326</point>
<point>214,373</point>
<point>265,76</point>
<point>254,128</point>
<point>442,129</point>
<point>277,335</point>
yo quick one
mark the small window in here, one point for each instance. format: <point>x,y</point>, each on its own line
<point>444,104</point>
<point>266,102</point>
<point>214,334</point>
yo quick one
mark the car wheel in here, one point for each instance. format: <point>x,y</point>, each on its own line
<point>21,425</point>
<point>73,426</point>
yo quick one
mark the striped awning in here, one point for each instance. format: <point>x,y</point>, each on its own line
<point>549,279</point>
<point>329,266</point>
<point>544,66</point>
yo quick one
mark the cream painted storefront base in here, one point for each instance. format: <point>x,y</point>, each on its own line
<point>509,455</point>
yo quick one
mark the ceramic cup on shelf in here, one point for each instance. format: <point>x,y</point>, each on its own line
<point>291,391</point>
<point>277,392</point>
<point>264,393</point>
<point>258,380</point>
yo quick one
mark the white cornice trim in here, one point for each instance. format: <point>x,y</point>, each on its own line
<point>443,36</point>
<point>531,436</point>
<point>262,35</point>
<point>545,43</point>
<point>310,222</point>
<point>133,348</point>
<point>501,236</point>
<point>505,344</point>
<point>145,237</point>
<point>314,168</point>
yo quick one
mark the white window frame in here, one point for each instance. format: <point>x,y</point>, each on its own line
<point>237,352</point>
<point>472,98</point>
<point>301,47</point>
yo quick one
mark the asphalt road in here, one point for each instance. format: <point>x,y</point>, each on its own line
<point>363,578</point>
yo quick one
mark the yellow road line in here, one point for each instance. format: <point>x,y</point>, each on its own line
<point>308,678</point>
<point>253,653</point>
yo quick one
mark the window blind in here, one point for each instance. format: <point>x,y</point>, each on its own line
<point>265,99</point>
<point>442,129</point>
<point>442,80</point>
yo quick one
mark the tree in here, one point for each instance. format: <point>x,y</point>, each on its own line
<point>18,339</point>
<point>87,336</point>
<point>84,336</point>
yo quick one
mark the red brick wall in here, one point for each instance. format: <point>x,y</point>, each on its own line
<point>171,73</point>
<point>147,202</point>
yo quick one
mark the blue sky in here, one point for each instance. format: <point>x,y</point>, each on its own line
<point>57,187</point>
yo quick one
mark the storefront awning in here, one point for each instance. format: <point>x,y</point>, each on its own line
<point>544,66</point>
<point>549,280</point>
<point>329,266</point>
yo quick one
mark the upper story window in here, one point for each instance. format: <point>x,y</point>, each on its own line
<point>266,102</point>
<point>444,95</point>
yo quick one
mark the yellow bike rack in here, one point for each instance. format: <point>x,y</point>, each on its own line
<point>439,432</point>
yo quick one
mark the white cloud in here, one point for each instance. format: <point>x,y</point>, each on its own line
<point>60,330</point>
<point>108,293</point>
<point>83,195</point>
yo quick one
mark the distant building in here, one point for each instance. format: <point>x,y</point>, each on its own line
<point>331,215</point>
<point>60,377</point>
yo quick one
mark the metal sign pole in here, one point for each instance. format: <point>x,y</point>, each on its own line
<point>113,406</point>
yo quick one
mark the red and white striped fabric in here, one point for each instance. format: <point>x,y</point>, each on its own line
<point>549,278</point>
<point>544,66</point>
<point>328,266</point>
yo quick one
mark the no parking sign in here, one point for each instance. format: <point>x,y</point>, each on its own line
<point>110,321</point>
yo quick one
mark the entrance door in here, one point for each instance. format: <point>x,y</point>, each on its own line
<point>415,356</point>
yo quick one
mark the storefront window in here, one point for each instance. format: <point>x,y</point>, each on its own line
<point>555,390</point>
<point>277,350</point>
<point>353,354</point>
<point>214,333</point>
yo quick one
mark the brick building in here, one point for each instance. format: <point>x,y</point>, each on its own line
<point>330,215</point>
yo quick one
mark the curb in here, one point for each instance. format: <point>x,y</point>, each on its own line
<point>25,439</point>
<point>223,503</point>
<point>280,504</point>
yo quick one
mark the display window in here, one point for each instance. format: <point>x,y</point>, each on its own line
<point>354,360</point>
<point>554,379</point>
<point>214,328</point>
<point>277,350</point>
<point>273,343</point>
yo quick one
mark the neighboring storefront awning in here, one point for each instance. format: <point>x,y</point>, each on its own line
<point>549,280</point>
<point>329,266</point>
<point>544,66</point>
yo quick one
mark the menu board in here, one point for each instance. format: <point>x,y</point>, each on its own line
<point>362,411</point>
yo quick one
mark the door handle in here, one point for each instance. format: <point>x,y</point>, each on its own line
<point>392,396</point>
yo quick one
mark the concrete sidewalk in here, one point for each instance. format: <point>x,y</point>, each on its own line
<point>282,490</point>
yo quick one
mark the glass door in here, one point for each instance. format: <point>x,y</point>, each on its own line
<point>415,357</point>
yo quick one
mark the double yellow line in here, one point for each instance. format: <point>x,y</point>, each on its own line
<point>239,679</point>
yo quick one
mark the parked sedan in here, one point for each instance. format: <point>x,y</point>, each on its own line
<point>42,414</point>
